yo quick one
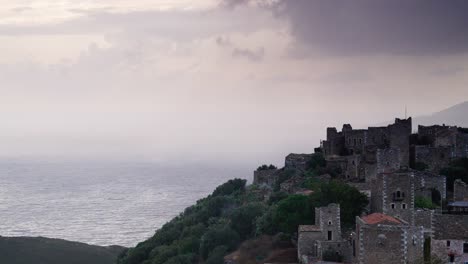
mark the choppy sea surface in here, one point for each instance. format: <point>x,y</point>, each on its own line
<point>105,203</point>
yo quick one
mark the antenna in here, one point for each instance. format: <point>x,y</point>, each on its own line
<point>406,112</point>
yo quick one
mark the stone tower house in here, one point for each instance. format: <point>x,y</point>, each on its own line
<point>328,220</point>
<point>393,195</point>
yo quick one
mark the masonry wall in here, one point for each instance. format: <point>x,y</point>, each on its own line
<point>399,135</point>
<point>435,158</point>
<point>306,244</point>
<point>460,191</point>
<point>328,219</point>
<point>266,178</point>
<point>297,162</point>
<point>388,160</point>
<point>442,251</point>
<point>385,199</point>
<point>371,248</point>
<point>426,181</point>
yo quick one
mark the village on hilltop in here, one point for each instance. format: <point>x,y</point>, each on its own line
<point>397,170</point>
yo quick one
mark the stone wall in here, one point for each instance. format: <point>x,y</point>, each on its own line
<point>399,135</point>
<point>460,191</point>
<point>426,181</point>
<point>461,148</point>
<point>266,178</point>
<point>393,194</point>
<point>298,162</point>
<point>452,228</point>
<point>328,219</point>
<point>423,217</point>
<point>382,244</point>
<point>435,158</point>
<point>444,248</point>
<point>388,160</point>
<point>306,242</point>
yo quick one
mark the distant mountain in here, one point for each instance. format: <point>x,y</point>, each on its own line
<point>39,250</point>
<point>455,115</point>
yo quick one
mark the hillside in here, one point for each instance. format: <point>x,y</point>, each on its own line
<point>39,250</point>
<point>455,115</point>
<point>235,218</point>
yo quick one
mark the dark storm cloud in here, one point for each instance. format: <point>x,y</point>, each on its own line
<point>415,27</point>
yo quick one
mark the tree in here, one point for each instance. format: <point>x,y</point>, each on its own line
<point>243,218</point>
<point>218,235</point>
<point>423,202</point>
<point>230,187</point>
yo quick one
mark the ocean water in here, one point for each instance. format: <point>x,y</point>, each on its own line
<point>99,203</point>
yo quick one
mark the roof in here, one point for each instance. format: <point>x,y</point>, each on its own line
<point>446,226</point>
<point>309,228</point>
<point>379,218</point>
<point>459,204</point>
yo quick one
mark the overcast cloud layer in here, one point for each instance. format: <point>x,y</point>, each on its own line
<point>234,81</point>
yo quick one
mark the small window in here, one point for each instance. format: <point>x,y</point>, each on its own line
<point>329,235</point>
<point>452,258</point>
<point>403,206</point>
<point>398,194</point>
<point>393,206</point>
<point>465,248</point>
<point>448,243</point>
<point>329,222</point>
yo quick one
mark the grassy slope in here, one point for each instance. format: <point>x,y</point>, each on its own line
<point>39,250</point>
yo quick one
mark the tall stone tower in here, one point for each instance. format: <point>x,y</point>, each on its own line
<point>328,219</point>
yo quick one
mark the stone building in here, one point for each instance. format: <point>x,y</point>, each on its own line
<point>354,141</point>
<point>393,195</point>
<point>266,178</point>
<point>360,154</point>
<point>435,158</point>
<point>381,238</point>
<point>460,191</point>
<point>450,241</point>
<point>428,183</point>
<point>455,138</point>
<point>298,162</point>
<point>324,236</point>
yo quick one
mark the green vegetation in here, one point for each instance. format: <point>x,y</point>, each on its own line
<point>235,213</point>
<point>458,169</point>
<point>423,202</point>
<point>39,250</point>
<point>267,167</point>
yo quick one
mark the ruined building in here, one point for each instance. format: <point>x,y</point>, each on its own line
<point>380,238</point>
<point>435,146</point>
<point>362,153</point>
<point>314,241</point>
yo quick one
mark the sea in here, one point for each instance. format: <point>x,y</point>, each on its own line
<point>100,203</point>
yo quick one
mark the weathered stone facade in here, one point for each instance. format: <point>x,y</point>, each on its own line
<point>435,158</point>
<point>298,162</point>
<point>325,235</point>
<point>426,182</point>
<point>393,194</point>
<point>445,136</point>
<point>380,238</point>
<point>355,141</point>
<point>450,241</point>
<point>266,178</point>
<point>460,191</point>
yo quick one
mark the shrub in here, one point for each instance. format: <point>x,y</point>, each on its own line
<point>230,187</point>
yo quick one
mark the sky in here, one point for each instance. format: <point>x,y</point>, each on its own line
<point>218,80</point>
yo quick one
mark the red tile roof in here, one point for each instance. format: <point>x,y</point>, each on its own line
<point>378,218</point>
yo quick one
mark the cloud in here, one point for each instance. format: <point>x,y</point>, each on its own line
<point>254,56</point>
<point>400,27</point>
